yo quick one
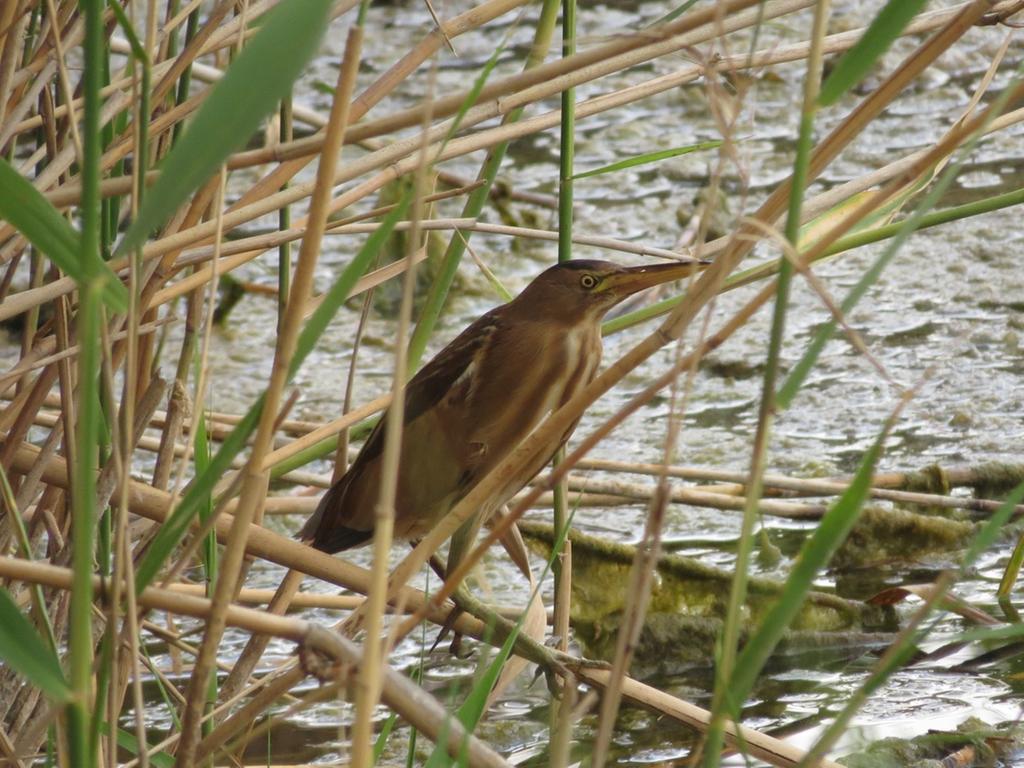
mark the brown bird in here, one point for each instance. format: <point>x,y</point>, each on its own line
<point>473,403</point>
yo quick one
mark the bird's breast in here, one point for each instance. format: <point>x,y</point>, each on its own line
<point>535,380</point>
<point>572,369</point>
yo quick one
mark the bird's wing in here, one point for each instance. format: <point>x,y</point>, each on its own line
<point>451,372</point>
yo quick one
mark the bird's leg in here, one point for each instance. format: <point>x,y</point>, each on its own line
<point>453,616</point>
<point>461,543</point>
<point>551,661</point>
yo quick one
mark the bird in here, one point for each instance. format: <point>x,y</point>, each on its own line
<point>480,396</point>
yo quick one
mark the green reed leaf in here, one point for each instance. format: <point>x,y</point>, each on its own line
<point>879,36</point>
<point>25,208</point>
<point>649,157</point>
<point>815,554</point>
<point>25,651</point>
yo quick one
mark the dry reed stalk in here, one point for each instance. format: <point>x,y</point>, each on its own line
<point>762,746</point>
<point>248,248</point>
<point>261,697</point>
<point>643,569</point>
<point>541,82</point>
<point>250,656</point>
<point>305,505</point>
<point>67,15</point>
<point>376,647</point>
<point>642,573</point>
<point>513,98</point>
<point>472,225</point>
<point>336,127</point>
<point>153,504</point>
<point>233,219</point>
<point>302,600</point>
<point>34,297</point>
<point>738,481</point>
<point>168,744</point>
<point>951,477</point>
<point>8,751</point>
<point>11,32</point>
<point>885,487</point>
<point>37,357</point>
<point>63,80</point>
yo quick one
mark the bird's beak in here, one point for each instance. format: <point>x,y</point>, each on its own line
<point>632,279</point>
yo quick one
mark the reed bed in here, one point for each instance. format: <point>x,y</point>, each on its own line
<point>146,146</point>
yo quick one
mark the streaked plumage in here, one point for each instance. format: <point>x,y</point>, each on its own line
<point>480,396</point>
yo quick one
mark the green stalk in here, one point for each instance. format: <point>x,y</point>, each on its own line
<point>172,39</point>
<point>111,205</point>
<point>567,150</point>
<point>284,222</point>
<point>83,495</point>
<point>103,669</point>
<point>208,550</point>
<point>475,202</point>
<point>931,219</point>
<point>364,8</point>
<point>568,139</point>
<point>185,82</point>
<point>142,161</point>
<point>109,210</point>
<point>139,57</point>
<point>30,34</point>
<point>24,550</point>
<point>83,521</point>
<point>727,700</point>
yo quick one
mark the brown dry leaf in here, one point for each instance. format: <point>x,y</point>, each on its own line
<point>536,621</point>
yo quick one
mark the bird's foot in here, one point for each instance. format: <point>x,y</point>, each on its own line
<point>577,663</point>
<point>449,623</point>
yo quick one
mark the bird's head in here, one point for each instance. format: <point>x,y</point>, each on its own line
<point>583,289</point>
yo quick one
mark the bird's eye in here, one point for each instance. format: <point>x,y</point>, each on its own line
<point>588,281</point>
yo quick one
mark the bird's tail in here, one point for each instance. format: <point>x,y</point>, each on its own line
<point>330,538</point>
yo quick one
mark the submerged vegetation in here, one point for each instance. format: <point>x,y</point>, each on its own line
<point>151,153</point>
